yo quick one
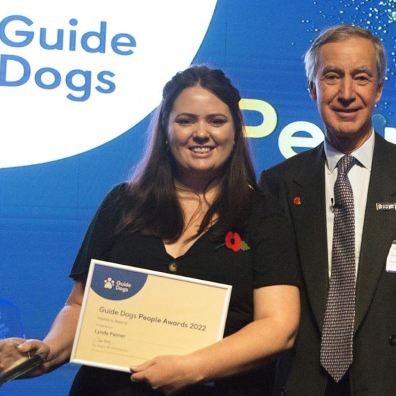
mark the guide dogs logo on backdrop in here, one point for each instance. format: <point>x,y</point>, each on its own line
<point>76,74</point>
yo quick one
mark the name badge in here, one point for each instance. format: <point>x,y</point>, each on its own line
<point>391,259</point>
<point>385,206</point>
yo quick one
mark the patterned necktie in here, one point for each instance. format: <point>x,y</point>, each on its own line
<point>337,335</point>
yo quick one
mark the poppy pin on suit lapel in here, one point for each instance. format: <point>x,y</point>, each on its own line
<point>297,201</point>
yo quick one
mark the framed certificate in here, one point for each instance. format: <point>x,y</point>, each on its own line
<point>130,315</point>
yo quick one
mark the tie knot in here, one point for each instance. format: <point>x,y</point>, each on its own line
<point>345,164</point>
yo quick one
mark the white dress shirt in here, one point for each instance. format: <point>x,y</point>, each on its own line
<point>359,177</point>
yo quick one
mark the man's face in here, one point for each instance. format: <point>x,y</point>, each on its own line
<point>346,90</point>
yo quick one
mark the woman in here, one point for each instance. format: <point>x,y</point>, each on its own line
<point>191,206</point>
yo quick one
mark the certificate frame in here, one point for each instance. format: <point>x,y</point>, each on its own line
<point>131,314</point>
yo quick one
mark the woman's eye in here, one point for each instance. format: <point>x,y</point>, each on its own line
<point>184,121</point>
<point>218,121</point>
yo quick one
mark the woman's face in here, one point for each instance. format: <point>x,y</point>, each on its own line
<point>200,133</point>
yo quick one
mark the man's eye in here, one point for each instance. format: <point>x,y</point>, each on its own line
<point>331,77</point>
<point>362,79</point>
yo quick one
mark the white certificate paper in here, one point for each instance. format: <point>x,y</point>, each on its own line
<point>130,315</point>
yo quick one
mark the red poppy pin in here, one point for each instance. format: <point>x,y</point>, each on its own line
<point>297,201</point>
<point>234,242</point>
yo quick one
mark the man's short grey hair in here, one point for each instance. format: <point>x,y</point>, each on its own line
<point>340,33</point>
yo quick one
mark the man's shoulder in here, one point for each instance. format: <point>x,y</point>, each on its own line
<point>384,157</point>
<point>383,146</point>
<point>297,164</point>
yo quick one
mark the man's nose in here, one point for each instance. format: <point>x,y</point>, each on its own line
<point>346,93</point>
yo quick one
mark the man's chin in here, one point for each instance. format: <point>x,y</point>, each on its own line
<point>350,130</point>
<point>348,137</point>
<point>347,133</point>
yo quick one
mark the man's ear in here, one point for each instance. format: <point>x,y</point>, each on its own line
<point>378,95</point>
<point>312,90</point>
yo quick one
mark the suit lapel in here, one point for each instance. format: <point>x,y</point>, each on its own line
<point>379,226</point>
<point>310,223</point>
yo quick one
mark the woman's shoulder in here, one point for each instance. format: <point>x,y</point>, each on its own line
<point>119,190</point>
<point>116,200</point>
<point>118,193</point>
<point>263,205</point>
<point>266,215</point>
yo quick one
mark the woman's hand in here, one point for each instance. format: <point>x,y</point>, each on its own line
<point>167,373</point>
<point>39,347</point>
<point>273,330</point>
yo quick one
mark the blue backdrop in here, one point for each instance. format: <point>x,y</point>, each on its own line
<point>45,208</point>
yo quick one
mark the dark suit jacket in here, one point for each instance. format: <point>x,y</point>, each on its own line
<point>300,179</point>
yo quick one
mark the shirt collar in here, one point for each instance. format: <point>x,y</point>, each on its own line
<point>364,154</point>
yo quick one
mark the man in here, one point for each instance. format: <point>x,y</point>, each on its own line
<point>344,217</point>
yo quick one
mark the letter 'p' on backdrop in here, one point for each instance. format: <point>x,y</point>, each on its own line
<point>78,83</point>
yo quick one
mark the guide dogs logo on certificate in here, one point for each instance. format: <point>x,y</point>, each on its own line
<point>130,315</point>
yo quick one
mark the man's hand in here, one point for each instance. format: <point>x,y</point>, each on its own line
<point>9,352</point>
